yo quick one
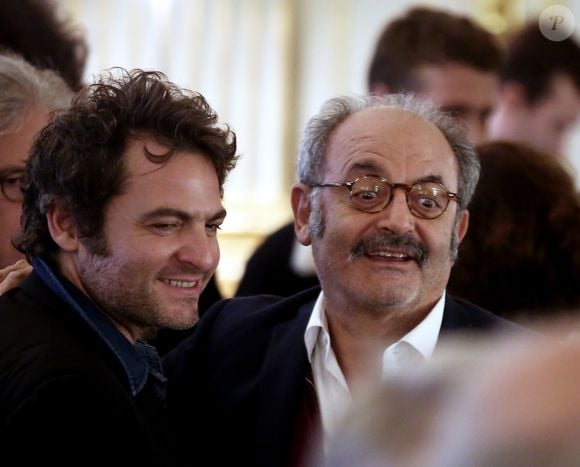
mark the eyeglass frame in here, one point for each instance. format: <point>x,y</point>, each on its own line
<point>349,184</point>
<point>8,174</point>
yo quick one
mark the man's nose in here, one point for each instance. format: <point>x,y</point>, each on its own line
<point>396,216</point>
<point>200,250</point>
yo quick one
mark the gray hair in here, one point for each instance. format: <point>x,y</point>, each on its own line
<point>23,86</point>
<point>314,142</point>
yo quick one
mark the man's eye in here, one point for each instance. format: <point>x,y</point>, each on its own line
<point>457,112</point>
<point>165,227</point>
<point>427,202</point>
<point>484,116</point>
<point>363,196</point>
<point>213,227</point>
<point>13,180</point>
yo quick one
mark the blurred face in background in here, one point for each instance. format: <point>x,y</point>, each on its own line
<point>468,93</point>
<point>544,123</point>
<point>15,144</point>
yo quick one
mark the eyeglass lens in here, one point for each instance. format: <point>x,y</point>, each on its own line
<point>13,184</point>
<point>425,199</point>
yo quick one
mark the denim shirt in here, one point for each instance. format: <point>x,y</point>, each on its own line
<point>140,362</point>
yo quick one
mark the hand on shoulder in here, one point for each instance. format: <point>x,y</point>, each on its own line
<point>12,276</point>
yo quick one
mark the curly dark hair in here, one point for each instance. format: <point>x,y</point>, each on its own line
<point>36,30</point>
<point>426,36</point>
<point>521,255</point>
<point>78,158</point>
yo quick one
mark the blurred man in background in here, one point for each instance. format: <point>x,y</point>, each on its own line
<point>445,57</point>
<point>27,96</point>
<point>540,91</point>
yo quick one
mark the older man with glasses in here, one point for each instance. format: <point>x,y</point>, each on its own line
<point>382,195</point>
<point>12,182</point>
<point>27,96</point>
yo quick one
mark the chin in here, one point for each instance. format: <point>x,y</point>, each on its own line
<point>183,319</point>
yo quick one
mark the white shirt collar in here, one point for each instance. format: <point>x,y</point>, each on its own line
<point>317,324</point>
<point>423,336</point>
<point>418,344</point>
<point>330,384</point>
<point>329,381</point>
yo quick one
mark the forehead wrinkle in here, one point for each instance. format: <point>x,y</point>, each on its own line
<point>351,142</point>
<point>364,167</point>
<point>362,143</point>
<point>358,151</point>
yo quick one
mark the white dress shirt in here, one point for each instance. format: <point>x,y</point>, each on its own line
<point>331,387</point>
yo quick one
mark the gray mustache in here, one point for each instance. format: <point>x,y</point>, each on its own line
<point>408,245</point>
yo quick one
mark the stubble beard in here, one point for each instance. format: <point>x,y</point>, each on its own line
<point>124,293</point>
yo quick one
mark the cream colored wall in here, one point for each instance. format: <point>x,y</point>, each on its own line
<point>266,66</point>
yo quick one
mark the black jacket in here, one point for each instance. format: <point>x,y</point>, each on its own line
<point>237,386</point>
<point>64,400</point>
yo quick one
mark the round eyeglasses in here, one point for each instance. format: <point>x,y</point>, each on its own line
<point>12,184</point>
<point>371,193</point>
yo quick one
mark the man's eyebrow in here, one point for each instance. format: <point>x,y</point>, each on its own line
<point>219,215</point>
<point>364,166</point>
<point>431,178</point>
<point>12,169</point>
<point>455,108</point>
<point>164,212</point>
<point>372,168</point>
<point>177,213</point>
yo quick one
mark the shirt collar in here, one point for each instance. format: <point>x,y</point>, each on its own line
<point>317,324</point>
<point>422,337</point>
<point>137,361</point>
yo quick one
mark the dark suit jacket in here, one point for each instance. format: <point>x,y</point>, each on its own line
<point>166,339</point>
<point>64,400</point>
<point>238,385</point>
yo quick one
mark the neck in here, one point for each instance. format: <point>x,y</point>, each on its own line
<point>67,267</point>
<point>359,340</point>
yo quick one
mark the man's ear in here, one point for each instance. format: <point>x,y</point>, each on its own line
<point>300,199</point>
<point>462,225</point>
<point>62,228</point>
